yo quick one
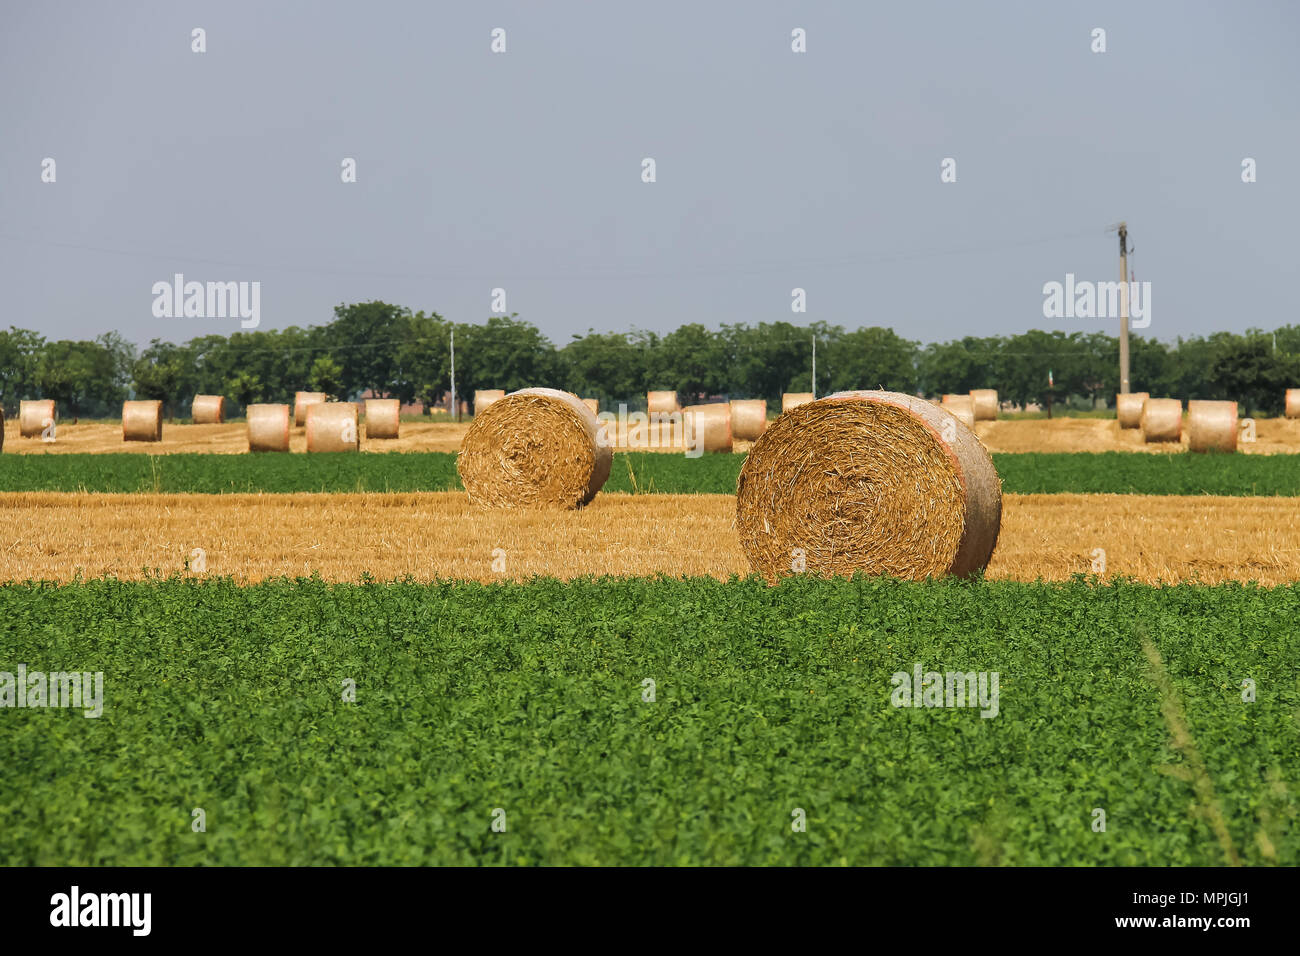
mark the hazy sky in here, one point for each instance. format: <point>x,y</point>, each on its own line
<point>523,169</point>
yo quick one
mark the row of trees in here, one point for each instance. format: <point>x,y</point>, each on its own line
<point>390,350</point>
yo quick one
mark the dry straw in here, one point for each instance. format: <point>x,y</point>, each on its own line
<point>791,400</point>
<point>962,408</point>
<point>708,427</point>
<point>593,404</point>
<point>748,418</point>
<point>1128,408</point>
<point>535,448</point>
<point>1211,426</point>
<point>877,482</point>
<point>208,410</point>
<point>301,402</point>
<point>383,417</point>
<point>1162,419</point>
<point>986,403</point>
<point>142,421</point>
<point>1293,403</point>
<point>484,397</point>
<point>332,426</point>
<point>33,415</point>
<point>663,402</point>
<point>268,427</point>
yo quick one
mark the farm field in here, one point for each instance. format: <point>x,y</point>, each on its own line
<point>636,472</point>
<point>343,537</point>
<point>1273,436</point>
<point>532,700</point>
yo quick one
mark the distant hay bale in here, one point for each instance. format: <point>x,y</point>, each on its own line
<point>662,402</point>
<point>1211,426</point>
<point>593,404</point>
<point>535,448</point>
<point>791,400</point>
<point>142,420</point>
<point>1162,419</point>
<point>332,426</point>
<point>34,416</point>
<point>748,418</point>
<point>1128,408</point>
<point>484,397</point>
<point>268,427</point>
<point>301,402</point>
<point>1293,403</point>
<point>870,481</point>
<point>708,427</point>
<point>208,410</point>
<point>962,407</point>
<point>383,417</point>
<point>985,401</point>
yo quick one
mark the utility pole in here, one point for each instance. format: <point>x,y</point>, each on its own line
<point>1123,308</point>
<point>455,409</point>
<point>814,375</point>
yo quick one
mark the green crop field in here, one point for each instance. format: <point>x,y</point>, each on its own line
<point>529,700</point>
<point>1109,472</point>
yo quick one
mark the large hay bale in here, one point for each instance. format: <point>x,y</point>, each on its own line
<point>332,426</point>
<point>34,416</point>
<point>962,407</point>
<point>1211,426</point>
<point>708,427</point>
<point>1293,403</point>
<point>1162,419</point>
<point>383,417</point>
<point>142,420</point>
<point>871,481</point>
<point>484,397</point>
<point>985,402</point>
<point>662,402</point>
<point>748,418</point>
<point>301,402</point>
<point>208,410</point>
<point>1128,408</point>
<point>268,427</point>
<point>535,448</point>
<point>791,400</point>
<point>593,404</point>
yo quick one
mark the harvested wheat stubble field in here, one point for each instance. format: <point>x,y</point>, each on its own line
<point>427,536</point>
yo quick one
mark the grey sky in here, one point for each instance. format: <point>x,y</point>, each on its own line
<point>523,169</point>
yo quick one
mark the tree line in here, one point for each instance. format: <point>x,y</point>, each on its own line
<point>390,350</point>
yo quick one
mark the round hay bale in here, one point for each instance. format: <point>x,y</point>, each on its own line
<point>593,404</point>
<point>708,427</point>
<point>383,417</point>
<point>1293,403</point>
<point>791,400</point>
<point>870,481</point>
<point>142,420</point>
<point>301,402</point>
<point>208,410</point>
<point>35,415</point>
<point>484,397</point>
<point>748,418</point>
<point>662,402</point>
<point>1162,419</point>
<point>535,448</point>
<point>985,401</point>
<point>268,427</point>
<point>1128,408</point>
<point>962,407</point>
<point>332,426</point>
<point>1211,426</point>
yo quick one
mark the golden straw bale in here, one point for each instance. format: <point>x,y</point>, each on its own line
<point>142,420</point>
<point>593,404</point>
<point>1162,419</point>
<point>748,418</point>
<point>34,416</point>
<point>484,397</point>
<point>662,402</point>
<point>535,448</point>
<point>383,417</point>
<point>1211,425</point>
<point>268,427</point>
<point>208,410</point>
<point>708,427</point>
<point>870,481</point>
<point>791,400</point>
<point>985,401</point>
<point>332,426</point>
<point>1128,408</point>
<point>962,407</point>
<point>1293,403</point>
<point>301,402</point>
